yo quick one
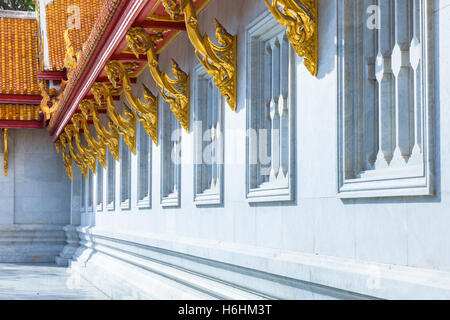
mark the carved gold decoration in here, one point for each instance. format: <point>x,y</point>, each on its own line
<point>220,61</point>
<point>175,92</point>
<point>5,154</point>
<point>84,154</point>
<point>72,56</point>
<point>97,148</point>
<point>48,99</point>
<point>61,146</point>
<point>67,138</point>
<point>107,138</point>
<point>147,113</point>
<point>300,19</point>
<point>126,127</point>
<point>172,8</point>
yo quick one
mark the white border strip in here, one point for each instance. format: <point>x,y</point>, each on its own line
<point>17,14</point>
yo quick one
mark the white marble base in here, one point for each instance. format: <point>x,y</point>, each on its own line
<point>30,243</point>
<point>153,267</point>
<point>44,282</point>
<point>130,266</point>
<point>71,247</point>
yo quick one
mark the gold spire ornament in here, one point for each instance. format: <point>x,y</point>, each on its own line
<point>175,91</point>
<point>5,154</point>
<point>106,138</point>
<point>220,61</point>
<point>300,19</point>
<point>95,147</point>
<point>80,160</point>
<point>61,146</point>
<point>172,8</point>
<point>72,56</point>
<point>145,112</point>
<point>48,98</point>
<point>66,140</point>
<point>85,152</point>
<point>126,127</point>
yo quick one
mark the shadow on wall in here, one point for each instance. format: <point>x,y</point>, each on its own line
<point>327,39</point>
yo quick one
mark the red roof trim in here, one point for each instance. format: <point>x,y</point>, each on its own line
<point>19,99</point>
<point>52,75</point>
<point>19,124</point>
<point>171,25</point>
<point>116,30</point>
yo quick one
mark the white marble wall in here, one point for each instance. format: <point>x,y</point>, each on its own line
<point>386,248</point>
<point>34,198</point>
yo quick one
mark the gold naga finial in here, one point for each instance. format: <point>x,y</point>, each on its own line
<point>72,56</point>
<point>85,152</point>
<point>48,98</point>
<point>126,127</point>
<point>67,139</point>
<point>106,138</point>
<point>172,8</point>
<point>300,19</point>
<point>175,91</point>
<point>83,158</point>
<point>95,147</point>
<point>220,61</point>
<point>145,112</point>
<point>5,153</point>
<point>61,146</point>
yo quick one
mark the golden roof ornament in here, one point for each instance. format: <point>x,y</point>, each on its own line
<point>300,19</point>
<point>176,91</point>
<point>145,112</point>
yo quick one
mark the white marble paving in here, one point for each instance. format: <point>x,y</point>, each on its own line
<point>43,282</point>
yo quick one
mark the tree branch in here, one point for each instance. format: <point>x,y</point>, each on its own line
<point>4,5</point>
<point>25,5</point>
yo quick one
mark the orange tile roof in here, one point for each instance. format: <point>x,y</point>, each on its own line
<point>57,16</point>
<point>19,61</point>
<point>100,26</point>
<point>19,112</point>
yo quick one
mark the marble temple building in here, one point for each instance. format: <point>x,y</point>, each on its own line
<point>229,149</point>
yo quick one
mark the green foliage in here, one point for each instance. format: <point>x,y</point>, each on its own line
<point>22,5</point>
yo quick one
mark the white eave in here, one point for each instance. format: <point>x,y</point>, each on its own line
<point>17,14</point>
<point>43,32</point>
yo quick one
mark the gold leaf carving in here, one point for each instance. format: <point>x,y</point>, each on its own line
<point>97,148</point>
<point>106,137</point>
<point>300,19</point>
<point>220,61</point>
<point>126,127</point>
<point>145,112</point>
<point>61,146</point>
<point>174,91</point>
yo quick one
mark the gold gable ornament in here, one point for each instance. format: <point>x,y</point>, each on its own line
<point>300,18</point>
<point>61,146</point>
<point>106,138</point>
<point>49,103</point>
<point>97,148</point>
<point>145,112</point>
<point>85,152</point>
<point>72,56</point>
<point>126,127</point>
<point>80,158</point>
<point>220,61</point>
<point>174,91</point>
<point>66,139</point>
<point>5,153</point>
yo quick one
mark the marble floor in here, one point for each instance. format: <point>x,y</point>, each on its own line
<point>43,282</point>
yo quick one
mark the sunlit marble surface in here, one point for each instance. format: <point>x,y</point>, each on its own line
<point>44,282</point>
